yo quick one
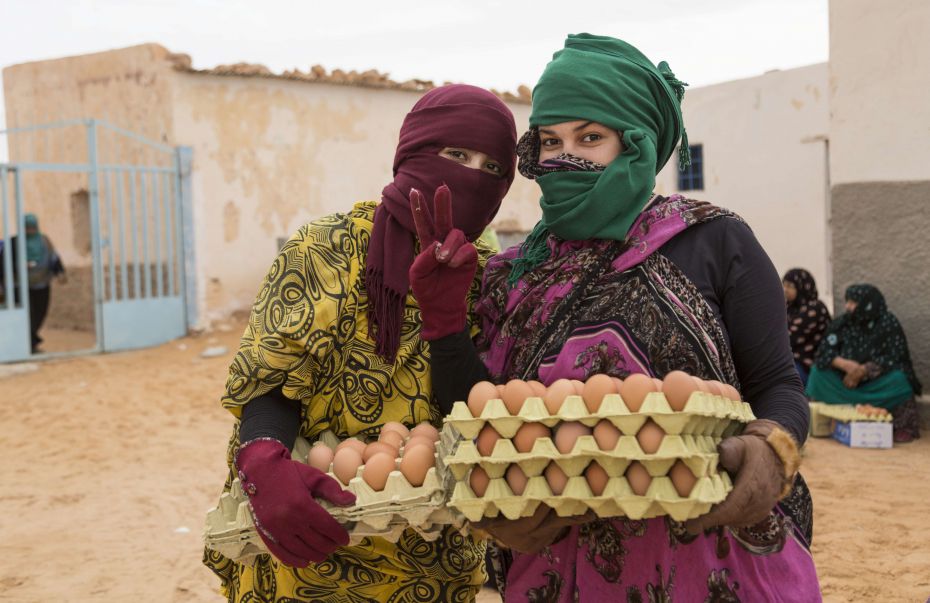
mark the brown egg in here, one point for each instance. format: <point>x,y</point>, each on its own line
<point>415,463</point>
<point>678,387</point>
<point>682,479</point>
<point>658,383</point>
<point>539,390</point>
<point>567,433</point>
<point>635,388</point>
<point>715,387</point>
<point>527,435</point>
<point>594,390</point>
<point>355,443</point>
<point>701,384</point>
<point>346,463</point>
<point>395,426</point>
<point>419,440</point>
<point>578,385</point>
<point>650,436</point>
<point>556,478</point>
<point>486,439</point>
<point>597,478</point>
<point>556,394</point>
<point>392,438</point>
<point>376,447</point>
<point>516,479</point>
<point>731,392</point>
<point>479,395</point>
<point>320,457</point>
<point>606,435</point>
<point>376,470</point>
<point>500,391</point>
<point>425,430</point>
<point>638,477</point>
<point>618,383</point>
<point>479,480</point>
<point>515,394</point>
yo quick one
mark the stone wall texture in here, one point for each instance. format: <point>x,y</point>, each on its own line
<point>880,237</point>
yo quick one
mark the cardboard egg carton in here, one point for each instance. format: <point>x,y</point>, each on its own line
<point>703,414</point>
<point>385,514</point>
<point>397,492</point>
<point>618,499</point>
<point>699,453</point>
<point>231,531</point>
<point>846,413</point>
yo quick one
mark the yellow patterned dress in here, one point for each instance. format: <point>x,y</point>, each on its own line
<point>308,332</point>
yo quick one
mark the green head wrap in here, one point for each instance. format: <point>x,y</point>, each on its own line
<point>606,80</point>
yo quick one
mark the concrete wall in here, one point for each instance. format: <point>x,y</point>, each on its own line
<point>880,157</point>
<point>272,154</point>
<point>765,159</point>
<point>130,87</point>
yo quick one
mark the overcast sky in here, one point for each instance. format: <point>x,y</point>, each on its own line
<point>492,43</point>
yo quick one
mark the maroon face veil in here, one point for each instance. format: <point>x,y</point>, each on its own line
<point>451,116</point>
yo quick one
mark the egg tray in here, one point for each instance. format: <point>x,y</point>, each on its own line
<point>703,414</point>
<point>847,413</point>
<point>699,453</point>
<point>618,499</point>
<point>386,514</point>
<point>398,493</point>
<point>230,529</point>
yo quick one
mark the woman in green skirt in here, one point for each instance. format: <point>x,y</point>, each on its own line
<point>864,359</point>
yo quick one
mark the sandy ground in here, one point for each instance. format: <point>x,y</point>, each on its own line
<point>108,463</point>
<point>66,340</point>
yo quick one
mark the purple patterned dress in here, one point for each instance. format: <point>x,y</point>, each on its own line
<point>620,308</point>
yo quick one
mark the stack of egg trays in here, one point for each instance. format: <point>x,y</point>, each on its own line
<point>847,413</point>
<point>385,514</point>
<point>691,435</point>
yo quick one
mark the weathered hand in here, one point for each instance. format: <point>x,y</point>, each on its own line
<point>445,268</point>
<point>758,478</point>
<point>855,376</point>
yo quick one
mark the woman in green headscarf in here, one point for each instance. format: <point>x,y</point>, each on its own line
<point>864,359</point>
<point>42,264</point>
<point>618,280</point>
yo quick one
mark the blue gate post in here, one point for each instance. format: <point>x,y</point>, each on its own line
<point>15,342</point>
<point>185,226</point>
<point>94,201</point>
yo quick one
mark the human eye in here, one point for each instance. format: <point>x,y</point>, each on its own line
<point>494,167</point>
<point>591,137</point>
<point>549,141</point>
<point>456,154</point>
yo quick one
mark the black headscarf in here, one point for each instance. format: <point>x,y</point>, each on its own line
<point>808,317</point>
<point>870,333</point>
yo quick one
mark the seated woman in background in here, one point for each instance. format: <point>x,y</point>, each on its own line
<point>864,359</point>
<point>808,318</point>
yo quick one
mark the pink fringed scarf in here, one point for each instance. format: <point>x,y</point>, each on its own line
<point>450,116</point>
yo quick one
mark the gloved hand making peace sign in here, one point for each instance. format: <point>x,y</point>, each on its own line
<point>445,268</point>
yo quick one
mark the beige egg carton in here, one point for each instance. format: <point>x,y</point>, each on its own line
<point>698,452</point>
<point>847,413</point>
<point>618,499</point>
<point>230,529</point>
<point>385,514</point>
<point>703,414</point>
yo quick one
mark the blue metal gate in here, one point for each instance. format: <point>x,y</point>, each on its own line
<point>138,208</point>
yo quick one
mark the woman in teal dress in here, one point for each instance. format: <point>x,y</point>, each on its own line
<point>864,359</point>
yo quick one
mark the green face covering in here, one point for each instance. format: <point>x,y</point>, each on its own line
<point>602,79</point>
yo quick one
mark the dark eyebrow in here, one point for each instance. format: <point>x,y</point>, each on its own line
<point>546,131</point>
<point>583,126</point>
